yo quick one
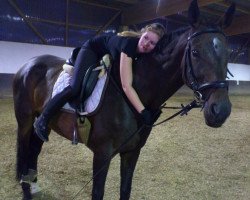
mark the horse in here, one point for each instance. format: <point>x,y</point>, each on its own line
<point>196,57</point>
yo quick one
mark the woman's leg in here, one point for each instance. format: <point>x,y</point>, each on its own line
<point>41,124</point>
<point>84,60</point>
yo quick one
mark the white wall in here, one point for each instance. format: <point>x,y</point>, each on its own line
<point>241,72</point>
<point>13,55</point>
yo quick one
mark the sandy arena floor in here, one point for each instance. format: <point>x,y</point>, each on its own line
<point>183,159</point>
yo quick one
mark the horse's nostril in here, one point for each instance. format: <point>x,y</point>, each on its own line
<point>214,109</point>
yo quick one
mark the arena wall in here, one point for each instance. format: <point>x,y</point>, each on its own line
<point>6,85</point>
<point>235,88</point>
<point>13,55</point>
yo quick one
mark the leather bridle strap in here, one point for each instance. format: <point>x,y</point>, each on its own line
<point>214,84</point>
<point>189,74</point>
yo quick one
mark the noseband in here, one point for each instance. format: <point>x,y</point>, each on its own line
<point>190,77</point>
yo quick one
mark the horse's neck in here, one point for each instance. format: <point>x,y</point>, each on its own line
<point>174,49</point>
<point>165,72</point>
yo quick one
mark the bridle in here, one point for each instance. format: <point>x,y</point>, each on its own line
<point>189,74</point>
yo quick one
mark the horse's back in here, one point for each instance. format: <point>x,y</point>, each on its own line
<point>33,83</point>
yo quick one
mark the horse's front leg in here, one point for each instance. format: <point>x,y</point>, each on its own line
<point>101,163</point>
<point>128,163</point>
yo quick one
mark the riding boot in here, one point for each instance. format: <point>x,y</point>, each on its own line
<point>53,106</point>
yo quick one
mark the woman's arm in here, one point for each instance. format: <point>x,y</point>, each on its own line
<point>127,80</point>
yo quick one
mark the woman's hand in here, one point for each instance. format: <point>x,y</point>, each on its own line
<point>149,117</point>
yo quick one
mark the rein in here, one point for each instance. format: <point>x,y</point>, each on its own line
<point>183,111</point>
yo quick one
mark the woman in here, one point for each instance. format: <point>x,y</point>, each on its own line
<point>125,47</point>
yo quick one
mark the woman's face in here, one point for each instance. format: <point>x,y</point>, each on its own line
<point>147,42</point>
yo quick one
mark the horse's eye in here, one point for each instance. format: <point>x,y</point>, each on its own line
<point>195,53</point>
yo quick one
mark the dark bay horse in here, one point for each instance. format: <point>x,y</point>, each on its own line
<point>198,58</point>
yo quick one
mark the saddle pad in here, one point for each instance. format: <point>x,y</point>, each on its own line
<point>92,101</point>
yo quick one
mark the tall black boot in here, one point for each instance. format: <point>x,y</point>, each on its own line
<point>52,107</point>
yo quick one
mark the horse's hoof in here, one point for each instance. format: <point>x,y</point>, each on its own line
<point>34,187</point>
<point>27,197</point>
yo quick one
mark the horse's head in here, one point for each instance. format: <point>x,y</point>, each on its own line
<point>205,65</point>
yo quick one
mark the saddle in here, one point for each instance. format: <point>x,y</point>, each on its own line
<point>92,92</point>
<point>90,79</point>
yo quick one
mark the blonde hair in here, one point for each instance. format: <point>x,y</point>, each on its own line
<point>156,28</point>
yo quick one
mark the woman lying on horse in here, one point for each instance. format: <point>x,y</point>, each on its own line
<point>124,47</point>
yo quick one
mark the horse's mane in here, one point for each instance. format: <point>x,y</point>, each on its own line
<point>170,39</point>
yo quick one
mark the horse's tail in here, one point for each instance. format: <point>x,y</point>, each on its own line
<point>23,101</point>
<point>20,162</point>
<point>18,94</point>
<point>31,89</point>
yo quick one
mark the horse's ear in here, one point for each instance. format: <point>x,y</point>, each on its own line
<point>193,13</point>
<point>227,19</point>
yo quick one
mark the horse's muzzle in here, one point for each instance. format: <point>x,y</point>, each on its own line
<point>216,111</point>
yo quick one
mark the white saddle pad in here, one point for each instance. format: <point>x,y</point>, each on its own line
<point>93,100</point>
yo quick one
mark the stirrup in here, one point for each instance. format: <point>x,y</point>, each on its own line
<point>75,138</point>
<point>81,119</point>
